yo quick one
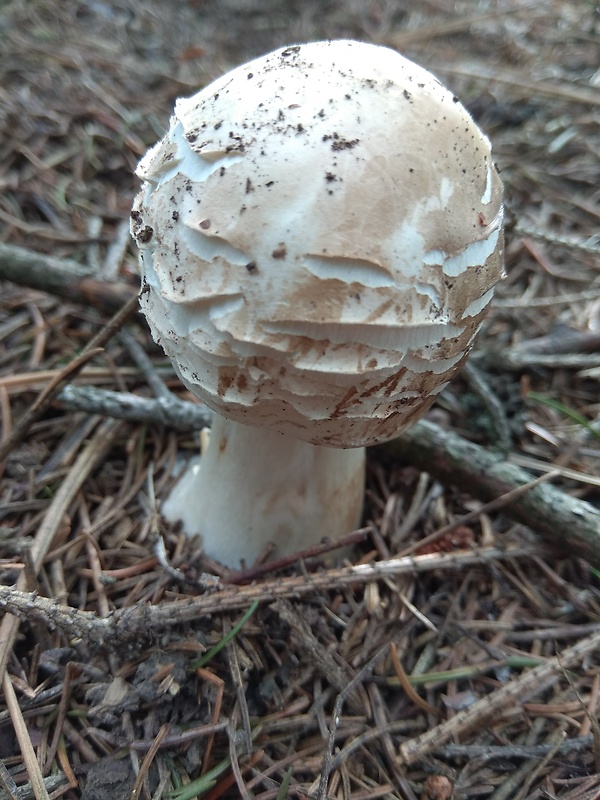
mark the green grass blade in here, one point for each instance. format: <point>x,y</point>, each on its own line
<point>573,415</point>
<point>201,785</point>
<point>285,785</point>
<point>227,638</point>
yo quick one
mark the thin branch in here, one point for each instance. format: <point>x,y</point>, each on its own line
<point>43,400</point>
<point>144,363</point>
<point>170,411</point>
<point>492,706</point>
<point>352,685</point>
<point>569,242</point>
<point>538,88</point>
<point>7,783</point>
<point>427,32</point>
<point>62,277</point>
<point>141,622</point>
<point>501,502</point>
<point>520,359</point>
<point>568,523</point>
<point>492,404</point>
<point>489,752</point>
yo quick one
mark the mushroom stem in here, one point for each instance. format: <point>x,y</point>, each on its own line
<point>254,487</point>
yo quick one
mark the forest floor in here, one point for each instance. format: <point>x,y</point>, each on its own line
<point>468,667</point>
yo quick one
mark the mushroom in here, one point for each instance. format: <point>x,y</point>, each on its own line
<point>320,234</point>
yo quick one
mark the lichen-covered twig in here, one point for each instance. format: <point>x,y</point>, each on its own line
<point>565,521</point>
<point>168,410</point>
<point>139,623</point>
<point>493,705</point>
<point>62,277</point>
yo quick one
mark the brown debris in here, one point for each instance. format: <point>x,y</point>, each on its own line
<point>499,646</point>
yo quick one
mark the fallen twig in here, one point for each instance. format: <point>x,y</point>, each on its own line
<point>565,521</point>
<point>491,706</point>
<point>138,623</point>
<point>43,400</point>
<point>337,675</point>
<point>320,785</point>
<point>62,277</point>
<point>488,752</point>
<point>170,411</point>
<point>520,359</point>
<point>514,78</point>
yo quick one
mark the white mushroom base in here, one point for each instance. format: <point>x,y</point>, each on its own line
<point>254,487</point>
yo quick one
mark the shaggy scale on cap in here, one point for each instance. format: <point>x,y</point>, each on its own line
<point>321,232</point>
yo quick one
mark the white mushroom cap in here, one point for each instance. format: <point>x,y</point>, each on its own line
<point>321,233</point>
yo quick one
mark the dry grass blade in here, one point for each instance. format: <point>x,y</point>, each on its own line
<point>142,775</point>
<point>20,728</point>
<point>411,693</point>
